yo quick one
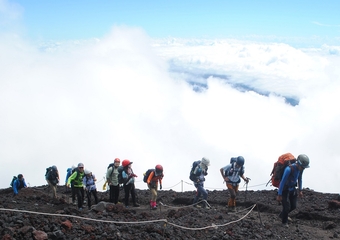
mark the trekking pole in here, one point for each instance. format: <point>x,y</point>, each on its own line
<point>248,179</point>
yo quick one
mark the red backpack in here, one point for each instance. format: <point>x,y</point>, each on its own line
<point>279,166</point>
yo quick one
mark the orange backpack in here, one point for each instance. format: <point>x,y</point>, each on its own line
<point>279,166</point>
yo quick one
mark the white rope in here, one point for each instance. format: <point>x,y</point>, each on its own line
<point>139,222</point>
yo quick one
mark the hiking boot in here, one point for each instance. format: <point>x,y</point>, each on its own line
<point>289,219</point>
<point>285,225</point>
<point>136,205</point>
<point>232,209</point>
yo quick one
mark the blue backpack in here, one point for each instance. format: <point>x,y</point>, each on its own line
<point>193,177</point>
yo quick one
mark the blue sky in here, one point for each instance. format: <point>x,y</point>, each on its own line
<point>290,21</point>
<point>156,83</point>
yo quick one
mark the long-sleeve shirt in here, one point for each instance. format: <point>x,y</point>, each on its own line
<point>112,176</point>
<point>126,174</point>
<point>291,176</point>
<point>18,184</point>
<point>153,178</point>
<point>233,173</point>
<point>77,177</point>
<point>89,182</point>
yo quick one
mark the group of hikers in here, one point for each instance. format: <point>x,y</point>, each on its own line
<point>82,181</point>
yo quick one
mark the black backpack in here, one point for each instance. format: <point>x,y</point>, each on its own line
<point>51,175</point>
<point>193,177</point>
<point>147,174</point>
<point>120,175</point>
<point>13,179</point>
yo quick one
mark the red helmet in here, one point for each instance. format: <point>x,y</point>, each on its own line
<point>117,160</point>
<point>126,162</point>
<point>159,169</point>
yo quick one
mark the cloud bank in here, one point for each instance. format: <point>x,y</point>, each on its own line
<point>169,102</point>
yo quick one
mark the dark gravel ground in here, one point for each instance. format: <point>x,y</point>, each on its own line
<point>33,214</point>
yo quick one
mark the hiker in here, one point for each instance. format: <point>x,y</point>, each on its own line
<point>232,174</point>
<point>52,178</point>
<point>112,180</point>
<point>129,183</point>
<point>287,193</point>
<point>77,177</point>
<point>200,171</point>
<point>18,184</point>
<point>89,182</point>
<point>68,174</point>
<point>152,181</point>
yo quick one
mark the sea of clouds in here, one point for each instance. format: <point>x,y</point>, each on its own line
<point>167,101</point>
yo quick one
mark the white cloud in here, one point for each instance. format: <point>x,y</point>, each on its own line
<point>95,100</point>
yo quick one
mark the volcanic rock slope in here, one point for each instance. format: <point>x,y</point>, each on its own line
<point>33,214</point>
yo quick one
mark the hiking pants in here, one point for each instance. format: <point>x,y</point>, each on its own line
<point>200,191</point>
<point>80,195</point>
<point>233,189</point>
<point>53,188</point>
<point>289,200</point>
<point>94,193</point>
<point>130,188</point>
<point>73,191</point>
<point>114,194</point>
<point>153,192</point>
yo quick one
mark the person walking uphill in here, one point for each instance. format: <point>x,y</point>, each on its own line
<point>18,184</point>
<point>287,193</point>
<point>113,181</point>
<point>77,178</point>
<point>198,172</point>
<point>89,182</point>
<point>129,183</point>
<point>152,181</point>
<point>52,178</point>
<point>232,174</point>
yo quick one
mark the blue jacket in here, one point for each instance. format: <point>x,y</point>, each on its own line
<point>290,178</point>
<point>17,185</point>
<point>69,173</point>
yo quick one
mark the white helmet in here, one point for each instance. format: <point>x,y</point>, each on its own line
<point>86,171</point>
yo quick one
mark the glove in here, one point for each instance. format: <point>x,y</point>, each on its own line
<point>160,186</point>
<point>68,185</point>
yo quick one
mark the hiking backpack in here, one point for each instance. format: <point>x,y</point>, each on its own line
<point>284,160</point>
<point>51,175</point>
<point>13,179</point>
<point>233,159</point>
<point>120,175</point>
<point>147,174</point>
<point>193,177</point>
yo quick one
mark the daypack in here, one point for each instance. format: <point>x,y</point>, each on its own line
<point>120,175</point>
<point>284,160</point>
<point>13,179</point>
<point>193,177</point>
<point>233,159</point>
<point>51,175</point>
<point>147,174</point>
